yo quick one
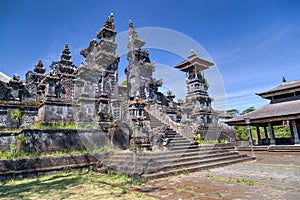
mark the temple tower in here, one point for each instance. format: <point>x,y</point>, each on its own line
<point>197,106</point>
<point>66,72</point>
<point>97,78</point>
<point>58,90</point>
<point>140,69</point>
<point>33,82</point>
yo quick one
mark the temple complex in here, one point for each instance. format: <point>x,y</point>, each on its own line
<point>89,94</point>
<point>283,110</point>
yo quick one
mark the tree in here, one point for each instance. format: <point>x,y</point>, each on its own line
<point>247,110</point>
<point>124,82</point>
<point>232,112</point>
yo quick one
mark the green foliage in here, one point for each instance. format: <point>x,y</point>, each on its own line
<point>62,125</point>
<point>80,184</point>
<point>206,82</point>
<point>232,112</point>
<point>140,150</point>
<point>201,141</point>
<point>25,154</point>
<point>110,116</point>
<point>124,82</point>
<point>241,132</point>
<point>231,180</point>
<point>16,149</point>
<point>247,110</point>
<point>16,115</point>
<point>282,132</point>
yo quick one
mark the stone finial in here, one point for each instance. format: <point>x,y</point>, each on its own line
<point>130,24</point>
<point>39,67</point>
<point>66,55</point>
<point>16,77</point>
<point>283,80</point>
<point>108,30</point>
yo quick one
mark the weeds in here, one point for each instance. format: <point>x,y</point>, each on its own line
<point>231,180</point>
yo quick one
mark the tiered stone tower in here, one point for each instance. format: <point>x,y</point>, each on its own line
<point>66,72</point>
<point>58,88</point>
<point>140,69</point>
<point>97,78</point>
<point>33,82</point>
<point>197,108</point>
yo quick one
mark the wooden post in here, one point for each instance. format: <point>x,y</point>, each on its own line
<point>272,136</point>
<point>295,132</point>
<point>266,132</point>
<point>259,142</point>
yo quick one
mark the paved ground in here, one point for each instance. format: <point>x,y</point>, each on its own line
<point>270,176</point>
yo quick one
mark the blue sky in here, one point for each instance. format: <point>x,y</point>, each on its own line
<point>253,43</point>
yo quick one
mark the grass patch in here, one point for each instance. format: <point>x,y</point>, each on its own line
<point>231,180</point>
<point>24,154</point>
<point>71,185</point>
<point>66,152</point>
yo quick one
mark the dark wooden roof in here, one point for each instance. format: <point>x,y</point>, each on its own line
<point>193,61</point>
<point>277,110</point>
<point>284,88</point>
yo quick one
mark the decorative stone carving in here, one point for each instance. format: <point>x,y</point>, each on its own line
<point>140,69</point>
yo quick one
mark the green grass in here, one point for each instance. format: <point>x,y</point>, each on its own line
<point>231,180</point>
<point>66,152</point>
<point>71,185</point>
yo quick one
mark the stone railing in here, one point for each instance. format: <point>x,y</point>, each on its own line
<point>158,111</point>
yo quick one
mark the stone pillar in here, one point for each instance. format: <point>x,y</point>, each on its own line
<point>295,132</point>
<point>259,142</point>
<point>272,136</point>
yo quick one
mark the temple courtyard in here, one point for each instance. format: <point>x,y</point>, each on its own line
<point>273,175</point>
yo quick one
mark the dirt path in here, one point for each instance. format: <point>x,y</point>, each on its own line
<point>270,176</point>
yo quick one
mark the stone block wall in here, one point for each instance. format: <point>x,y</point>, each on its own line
<point>26,167</point>
<point>29,113</point>
<point>56,112</point>
<point>58,140</point>
<point>6,140</point>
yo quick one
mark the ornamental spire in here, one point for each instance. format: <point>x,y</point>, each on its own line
<point>39,68</point>
<point>108,30</point>
<point>66,56</point>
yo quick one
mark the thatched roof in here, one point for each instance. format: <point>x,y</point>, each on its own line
<point>277,110</point>
<point>284,88</point>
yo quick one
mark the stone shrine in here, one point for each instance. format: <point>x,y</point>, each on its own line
<point>89,94</point>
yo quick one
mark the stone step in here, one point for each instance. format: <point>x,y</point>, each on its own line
<point>195,168</point>
<point>154,165</point>
<point>166,154</point>
<point>176,166</point>
<point>182,147</point>
<point>158,162</point>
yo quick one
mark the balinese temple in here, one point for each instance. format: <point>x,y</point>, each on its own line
<point>197,108</point>
<point>283,110</point>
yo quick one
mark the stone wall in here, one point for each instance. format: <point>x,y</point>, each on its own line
<point>6,140</point>
<point>28,114</point>
<point>56,112</point>
<point>58,140</point>
<point>25,167</point>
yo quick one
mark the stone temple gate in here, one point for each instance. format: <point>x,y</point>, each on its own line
<point>89,94</point>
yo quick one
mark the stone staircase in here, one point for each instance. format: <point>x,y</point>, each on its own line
<point>180,156</point>
<point>177,142</point>
<point>159,164</point>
